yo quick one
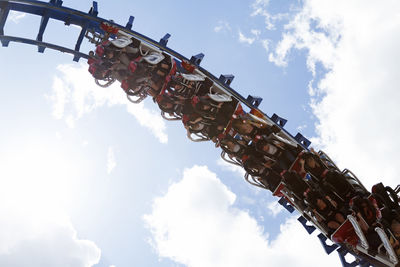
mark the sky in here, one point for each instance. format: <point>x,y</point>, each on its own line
<point>90,179</point>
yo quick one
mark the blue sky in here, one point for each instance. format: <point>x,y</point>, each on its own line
<point>88,178</point>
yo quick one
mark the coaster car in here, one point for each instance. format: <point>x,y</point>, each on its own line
<point>188,85</point>
<point>233,148</point>
<point>199,129</point>
<point>386,196</point>
<point>171,107</point>
<point>101,72</point>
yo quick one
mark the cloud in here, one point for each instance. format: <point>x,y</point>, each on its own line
<point>260,8</point>
<point>274,208</point>
<point>35,230</point>
<point>255,32</point>
<point>111,162</point>
<point>196,224</point>
<point>149,119</point>
<point>301,127</point>
<point>30,240</point>
<point>356,100</point>
<point>75,94</point>
<point>231,167</point>
<point>222,26</point>
<point>256,37</point>
<point>16,16</point>
<point>299,34</point>
<point>59,97</point>
<point>265,43</point>
<point>244,39</point>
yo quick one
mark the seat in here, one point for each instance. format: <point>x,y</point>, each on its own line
<point>386,196</point>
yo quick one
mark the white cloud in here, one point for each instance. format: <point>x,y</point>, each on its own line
<point>246,40</point>
<point>75,94</point>
<point>260,8</point>
<point>248,200</point>
<point>111,162</point>
<point>31,239</point>
<point>231,167</point>
<point>34,228</point>
<point>274,208</point>
<point>301,127</point>
<point>222,26</point>
<point>356,101</point>
<point>59,97</point>
<point>16,16</point>
<point>320,45</point>
<point>149,119</point>
<point>256,37</point>
<point>265,43</point>
<point>59,135</point>
<point>196,224</point>
<point>255,32</point>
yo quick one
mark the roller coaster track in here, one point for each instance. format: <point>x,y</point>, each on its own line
<point>90,25</point>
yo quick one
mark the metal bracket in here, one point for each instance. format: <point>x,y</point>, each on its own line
<point>56,2</point>
<point>164,40</point>
<point>309,228</point>
<point>286,204</point>
<point>254,100</point>
<point>94,9</point>
<point>129,24</point>
<point>278,120</point>
<point>196,60</point>
<point>328,248</point>
<point>226,79</point>
<point>342,253</point>
<point>302,140</point>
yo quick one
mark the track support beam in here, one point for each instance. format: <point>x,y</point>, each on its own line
<point>3,18</point>
<point>94,12</point>
<point>42,28</point>
<point>79,42</point>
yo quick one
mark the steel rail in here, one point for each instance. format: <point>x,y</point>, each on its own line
<point>43,44</point>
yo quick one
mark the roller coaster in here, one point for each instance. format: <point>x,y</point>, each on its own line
<point>350,218</point>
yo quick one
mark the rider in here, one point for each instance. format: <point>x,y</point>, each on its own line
<point>325,209</point>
